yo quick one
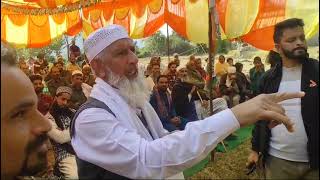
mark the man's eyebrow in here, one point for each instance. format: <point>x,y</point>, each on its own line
<point>24,104</point>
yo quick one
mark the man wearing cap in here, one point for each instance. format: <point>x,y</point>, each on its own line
<point>117,133</point>
<point>229,87</point>
<point>60,116</point>
<point>80,90</point>
<point>44,100</point>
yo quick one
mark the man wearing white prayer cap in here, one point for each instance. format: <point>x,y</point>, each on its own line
<point>117,134</point>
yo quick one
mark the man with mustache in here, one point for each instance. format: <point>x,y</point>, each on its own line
<point>61,115</point>
<point>44,100</point>
<point>290,155</point>
<point>23,128</point>
<point>117,134</point>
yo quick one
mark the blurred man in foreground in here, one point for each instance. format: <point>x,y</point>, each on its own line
<point>23,128</point>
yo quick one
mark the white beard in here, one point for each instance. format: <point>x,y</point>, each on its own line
<point>134,91</point>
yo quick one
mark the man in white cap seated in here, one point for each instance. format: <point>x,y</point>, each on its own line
<point>117,134</point>
<point>229,87</point>
<point>81,90</point>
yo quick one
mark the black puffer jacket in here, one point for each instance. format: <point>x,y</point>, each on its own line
<point>309,108</point>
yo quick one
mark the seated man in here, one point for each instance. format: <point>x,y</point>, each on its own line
<point>152,79</point>
<point>44,100</point>
<point>61,115</point>
<point>81,91</point>
<point>88,77</point>
<point>171,73</point>
<point>162,103</point>
<point>55,81</point>
<point>182,96</point>
<point>229,87</point>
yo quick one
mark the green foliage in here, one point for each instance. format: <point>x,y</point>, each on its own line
<point>156,45</point>
<point>54,48</point>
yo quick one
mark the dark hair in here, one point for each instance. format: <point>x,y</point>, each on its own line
<point>238,66</point>
<point>273,58</point>
<point>257,58</point>
<point>35,77</point>
<point>40,56</point>
<point>161,76</point>
<point>171,63</point>
<point>281,26</point>
<point>222,56</point>
<point>229,59</point>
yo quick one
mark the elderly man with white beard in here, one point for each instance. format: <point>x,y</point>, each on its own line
<point>117,134</point>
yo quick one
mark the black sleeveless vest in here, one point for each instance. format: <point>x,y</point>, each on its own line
<point>88,170</point>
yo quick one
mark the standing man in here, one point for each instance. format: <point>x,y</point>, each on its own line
<point>74,49</point>
<point>117,133</point>
<point>255,74</point>
<point>80,90</point>
<point>23,128</point>
<point>291,155</point>
<point>44,100</point>
<point>60,116</point>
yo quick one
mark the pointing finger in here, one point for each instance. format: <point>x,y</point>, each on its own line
<point>278,97</point>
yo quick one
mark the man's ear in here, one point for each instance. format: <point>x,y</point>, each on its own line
<point>277,47</point>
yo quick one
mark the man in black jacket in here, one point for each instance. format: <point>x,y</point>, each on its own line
<point>290,155</point>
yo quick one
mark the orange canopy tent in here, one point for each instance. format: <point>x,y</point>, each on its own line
<point>35,23</point>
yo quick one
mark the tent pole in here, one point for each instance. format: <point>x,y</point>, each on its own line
<point>66,37</point>
<point>168,45</point>
<point>210,57</point>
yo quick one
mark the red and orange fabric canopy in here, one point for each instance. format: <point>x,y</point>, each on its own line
<point>35,23</point>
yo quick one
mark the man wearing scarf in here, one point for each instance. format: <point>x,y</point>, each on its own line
<point>161,101</point>
<point>61,115</point>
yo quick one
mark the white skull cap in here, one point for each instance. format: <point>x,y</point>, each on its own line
<point>102,38</point>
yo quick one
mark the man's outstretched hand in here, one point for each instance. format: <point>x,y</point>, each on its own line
<point>265,107</point>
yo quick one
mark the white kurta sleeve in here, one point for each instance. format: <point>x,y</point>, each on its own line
<point>100,139</point>
<point>59,136</point>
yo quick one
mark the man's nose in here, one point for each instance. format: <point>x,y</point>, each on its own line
<point>40,125</point>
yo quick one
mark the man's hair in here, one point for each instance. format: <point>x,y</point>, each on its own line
<point>286,24</point>
<point>228,59</point>
<point>222,56</point>
<point>161,76</point>
<point>8,55</point>
<point>35,77</point>
<point>238,66</point>
<point>171,63</point>
<point>256,59</point>
<point>273,58</point>
<point>40,56</point>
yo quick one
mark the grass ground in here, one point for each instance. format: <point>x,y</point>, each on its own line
<point>230,165</point>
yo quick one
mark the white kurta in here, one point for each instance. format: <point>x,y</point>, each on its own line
<point>124,146</point>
